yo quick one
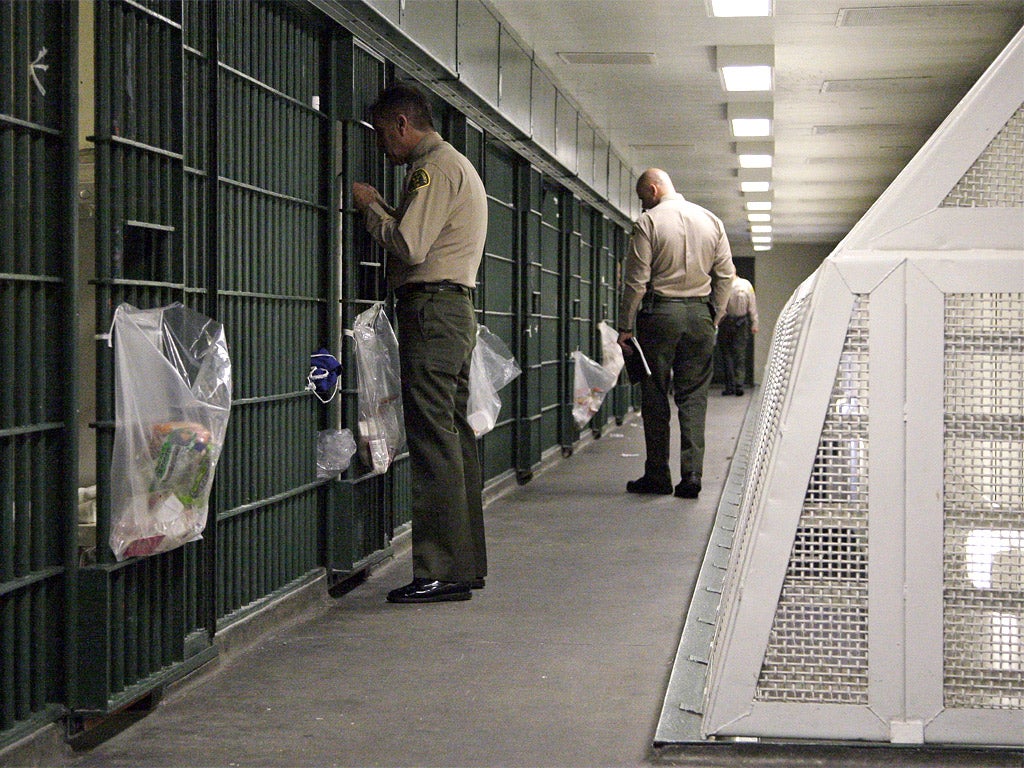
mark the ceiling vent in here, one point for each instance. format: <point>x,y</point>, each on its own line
<point>889,15</point>
<point>620,58</point>
<point>656,147</point>
<point>876,84</point>
<point>860,129</point>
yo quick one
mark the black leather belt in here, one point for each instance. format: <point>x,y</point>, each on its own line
<point>409,288</point>
<point>681,299</point>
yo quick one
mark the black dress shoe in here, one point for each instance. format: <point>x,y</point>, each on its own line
<point>738,391</point>
<point>478,583</point>
<point>430,591</point>
<point>649,485</point>
<point>689,488</point>
<point>727,391</point>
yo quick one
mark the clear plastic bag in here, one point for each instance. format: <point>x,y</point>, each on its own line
<point>492,367</point>
<point>612,359</point>
<point>591,382</point>
<point>381,425</point>
<point>334,451</point>
<point>172,378</point>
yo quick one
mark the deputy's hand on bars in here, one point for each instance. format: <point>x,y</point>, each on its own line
<point>365,194</point>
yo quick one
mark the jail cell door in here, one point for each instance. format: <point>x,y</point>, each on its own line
<point>496,299</point>
<point>38,304</point>
<point>542,341</point>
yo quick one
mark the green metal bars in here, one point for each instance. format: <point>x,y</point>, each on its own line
<point>226,137</point>
<point>211,190</point>
<point>271,288</point>
<point>137,616</point>
<point>38,74</point>
<point>496,297</point>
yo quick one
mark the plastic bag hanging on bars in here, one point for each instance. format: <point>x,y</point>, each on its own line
<point>172,381</point>
<point>381,424</point>
<point>334,451</point>
<point>591,382</point>
<point>612,358</point>
<point>492,367</point>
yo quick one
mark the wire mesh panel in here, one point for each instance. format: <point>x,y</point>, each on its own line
<point>926,645</point>
<point>996,179</point>
<point>817,651</point>
<point>777,381</point>
<point>37,300</point>
<point>983,501</point>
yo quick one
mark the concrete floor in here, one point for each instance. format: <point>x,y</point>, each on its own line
<point>563,660</point>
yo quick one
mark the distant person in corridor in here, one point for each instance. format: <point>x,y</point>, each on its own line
<point>734,334</point>
<point>435,242</point>
<point>677,270</point>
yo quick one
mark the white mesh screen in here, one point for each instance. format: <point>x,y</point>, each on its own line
<point>818,648</point>
<point>983,496</point>
<point>777,379</point>
<point>778,375</point>
<point>996,180</point>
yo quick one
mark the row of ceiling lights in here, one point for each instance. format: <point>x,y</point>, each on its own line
<point>749,69</point>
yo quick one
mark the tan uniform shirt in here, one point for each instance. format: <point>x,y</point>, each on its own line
<point>743,302</point>
<point>439,229</point>
<point>677,249</point>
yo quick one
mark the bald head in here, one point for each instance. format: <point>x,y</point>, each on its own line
<point>652,186</point>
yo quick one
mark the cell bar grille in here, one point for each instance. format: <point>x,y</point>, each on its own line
<point>818,647</point>
<point>983,498</point>
<point>996,180</point>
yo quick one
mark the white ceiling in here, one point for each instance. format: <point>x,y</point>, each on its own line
<point>859,87</point>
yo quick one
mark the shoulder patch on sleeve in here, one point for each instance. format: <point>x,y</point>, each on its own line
<point>417,180</point>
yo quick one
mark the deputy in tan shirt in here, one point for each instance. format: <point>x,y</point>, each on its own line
<point>678,257</point>
<point>734,334</point>
<point>435,241</point>
<point>437,233</point>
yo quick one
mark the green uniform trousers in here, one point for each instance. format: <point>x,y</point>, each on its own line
<point>733,338</point>
<point>678,339</point>
<point>436,336</point>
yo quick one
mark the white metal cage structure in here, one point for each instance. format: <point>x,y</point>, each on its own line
<point>875,587</point>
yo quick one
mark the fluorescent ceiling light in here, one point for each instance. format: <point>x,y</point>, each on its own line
<point>745,67</point>
<point>747,78</point>
<point>755,161</point>
<point>761,229</point>
<point>755,186</point>
<point>751,126</point>
<point>763,247</point>
<point>728,8</point>
<point>750,119</point>
<point>760,217</point>
<point>761,239</point>
<point>759,205</point>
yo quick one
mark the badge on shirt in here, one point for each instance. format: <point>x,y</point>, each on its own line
<point>417,180</point>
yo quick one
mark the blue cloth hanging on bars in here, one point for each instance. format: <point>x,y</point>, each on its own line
<point>324,375</point>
